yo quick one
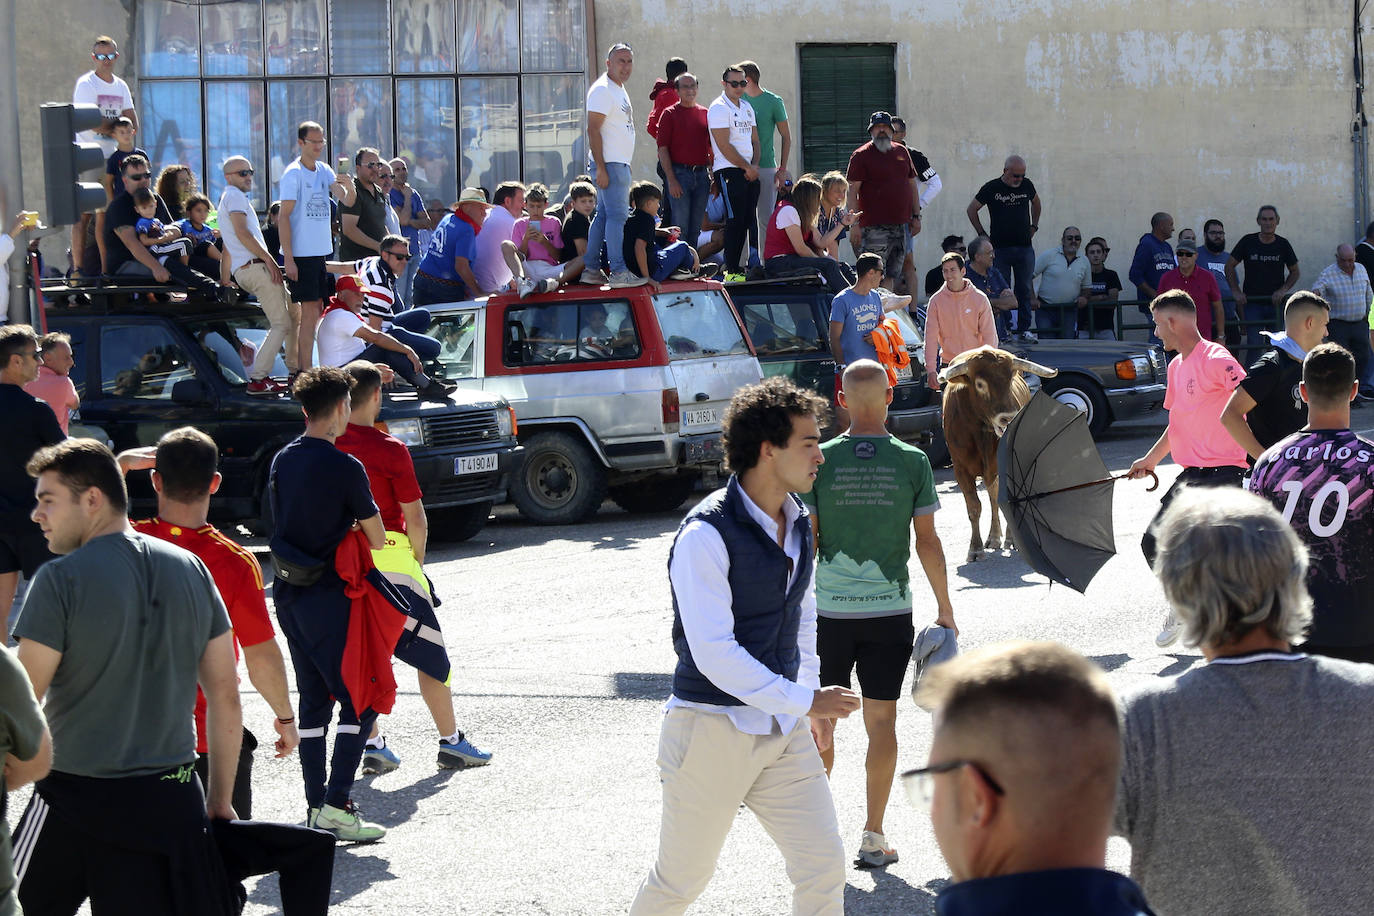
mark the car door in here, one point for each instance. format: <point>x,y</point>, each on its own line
<point>789,341</point>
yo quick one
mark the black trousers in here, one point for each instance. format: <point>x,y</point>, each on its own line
<point>243,775</point>
<point>1354,336</point>
<point>665,210</point>
<point>741,202</point>
<point>1228,476</point>
<point>302,857</point>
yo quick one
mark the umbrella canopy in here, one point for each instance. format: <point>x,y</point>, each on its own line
<point>1056,492</point>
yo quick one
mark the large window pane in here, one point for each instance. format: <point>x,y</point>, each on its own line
<point>168,39</point>
<point>488,36</point>
<point>554,35</point>
<point>289,103</point>
<point>234,127</point>
<point>232,35</point>
<point>553,121</point>
<point>425,136</point>
<point>169,116</point>
<point>489,131</point>
<point>358,36</point>
<point>361,116</point>
<point>424,36</point>
<point>295,37</point>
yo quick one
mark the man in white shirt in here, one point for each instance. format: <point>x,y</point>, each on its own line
<point>344,336</point>
<point>1065,277</point>
<point>747,677</point>
<point>100,87</point>
<point>247,263</point>
<point>611,140</point>
<point>491,270</point>
<point>735,151</point>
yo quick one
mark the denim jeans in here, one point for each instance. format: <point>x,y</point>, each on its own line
<point>608,225</point>
<point>1057,321</point>
<point>1261,311</point>
<point>406,280</point>
<point>677,256</point>
<point>1017,263</point>
<point>690,208</point>
<point>409,328</point>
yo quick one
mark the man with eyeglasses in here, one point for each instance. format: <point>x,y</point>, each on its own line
<point>1201,286</point>
<point>1213,256</point>
<point>1065,278</point>
<point>1014,213</point>
<point>125,255</point>
<point>684,154</point>
<point>247,263</point>
<point>416,223</point>
<point>983,273</point>
<point>100,87</point>
<point>364,219</point>
<point>1021,783</point>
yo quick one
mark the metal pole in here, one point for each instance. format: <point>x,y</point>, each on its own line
<point>11,154</point>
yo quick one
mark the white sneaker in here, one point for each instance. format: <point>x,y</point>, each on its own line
<point>593,277</point>
<point>623,278</point>
<point>1027,337</point>
<point>1171,632</point>
<point>549,285</point>
<point>874,851</point>
<point>525,286</point>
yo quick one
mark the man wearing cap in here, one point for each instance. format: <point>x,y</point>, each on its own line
<point>445,272</point>
<point>1201,285</point>
<point>883,186</point>
<point>735,149</point>
<point>344,336</point>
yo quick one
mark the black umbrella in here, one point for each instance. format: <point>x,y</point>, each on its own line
<point>1056,492</point>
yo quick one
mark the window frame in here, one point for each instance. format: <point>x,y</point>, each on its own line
<point>577,361</point>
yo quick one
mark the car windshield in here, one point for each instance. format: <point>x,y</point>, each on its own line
<point>457,336</point>
<point>910,333</point>
<point>231,344</point>
<point>698,323</point>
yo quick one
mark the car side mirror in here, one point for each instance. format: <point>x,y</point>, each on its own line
<point>192,392</point>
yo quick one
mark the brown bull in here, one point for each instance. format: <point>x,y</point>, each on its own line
<point>983,392</point>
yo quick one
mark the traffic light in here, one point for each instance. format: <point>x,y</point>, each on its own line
<point>64,160</point>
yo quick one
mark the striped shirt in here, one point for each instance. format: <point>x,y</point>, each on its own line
<point>381,288</point>
<point>1349,294</point>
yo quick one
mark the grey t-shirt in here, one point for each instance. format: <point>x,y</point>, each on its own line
<point>131,616</point>
<point>21,734</point>
<point>1246,787</point>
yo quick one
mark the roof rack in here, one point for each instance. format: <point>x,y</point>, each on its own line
<point>106,295</point>
<point>807,279</point>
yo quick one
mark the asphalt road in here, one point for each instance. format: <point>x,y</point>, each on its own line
<point>560,640</point>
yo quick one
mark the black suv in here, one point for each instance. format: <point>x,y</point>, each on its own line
<point>144,369</point>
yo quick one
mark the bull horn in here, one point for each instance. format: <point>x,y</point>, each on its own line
<point>953,372</point>
<point>1025,365</point>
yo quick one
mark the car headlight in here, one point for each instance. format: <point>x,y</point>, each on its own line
<point>505,421</point>
<point>410,431</point>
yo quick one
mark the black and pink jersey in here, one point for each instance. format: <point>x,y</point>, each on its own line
<point>1323,483</point>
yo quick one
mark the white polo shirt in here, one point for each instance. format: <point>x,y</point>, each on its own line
<point>741,121</point>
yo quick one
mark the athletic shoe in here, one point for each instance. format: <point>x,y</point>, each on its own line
<point>263,386</point>
<point>593,277</point>
<point>681,275</point>
<point>622,279</point>
<point>734,276</point>
<point>1169,635</point>
<point>525,285</point>
<point>1027,337</point>
<point>708,270</point>
<point>310,815</point>
<point>874,851</point>
<point>378,760</point>
<point>347,826</point>
<point>461,754</point>
<point>546,285</point>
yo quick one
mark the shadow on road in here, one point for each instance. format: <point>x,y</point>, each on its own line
<point>1109,662</point>
<point>610,529</point>
<point>1000,569</point>
<point>1181,664</point>
<point>891,894</point>
<point>395,806</point>
<point>355,871</point>
<point>637,685</point>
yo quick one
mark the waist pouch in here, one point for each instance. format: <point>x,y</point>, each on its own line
<point>296,567</point>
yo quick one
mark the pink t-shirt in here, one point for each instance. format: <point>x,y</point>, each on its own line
<point>58,391</point>
<point>1199,388</point>
<point>538,250</point>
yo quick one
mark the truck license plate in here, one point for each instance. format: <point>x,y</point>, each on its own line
<point>702,417</point>
<point>904,373</point>
<point>474,464</point>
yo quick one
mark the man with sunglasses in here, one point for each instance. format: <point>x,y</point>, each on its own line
<point>125,255</point>
<point>1201,285</point>
<point>100,87</point>
<point>735,151</point>
<point>381,273</point>
<point>364,218</point>
<point>1021,783</point>
<point>1065,279</point>
<point>246,262</point>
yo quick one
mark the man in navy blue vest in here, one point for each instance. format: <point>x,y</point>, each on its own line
<point>747,677</point>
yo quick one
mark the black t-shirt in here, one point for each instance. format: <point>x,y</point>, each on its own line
<point>924,171</point>
<point>1008,212</point>
<point>121,212</point>
<point>1265,265</point>
<point>935,279</point>
<point>370,207</point>
<point>575,226</point>
<point>30,424</point>
<point>1104,316</point>
<point>639,225</point>
<point>1279,411</point>
<point>319,493</point>
<point>1364,254</point>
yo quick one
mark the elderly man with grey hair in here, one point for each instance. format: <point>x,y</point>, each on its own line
<point>1347,286</point>
<point>1245,786</point>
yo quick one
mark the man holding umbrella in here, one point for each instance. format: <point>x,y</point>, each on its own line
<point>1201,379</point>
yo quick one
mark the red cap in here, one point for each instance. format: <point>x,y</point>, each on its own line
<point>350,282</point>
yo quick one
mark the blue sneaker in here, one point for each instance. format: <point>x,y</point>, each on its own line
<point>461,754</point>
<point>378,760</point>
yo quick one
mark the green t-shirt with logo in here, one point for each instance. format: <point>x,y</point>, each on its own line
<point>768,111</point>
<point>865,496</point>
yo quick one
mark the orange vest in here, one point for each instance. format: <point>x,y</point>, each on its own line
<point>892,351</point>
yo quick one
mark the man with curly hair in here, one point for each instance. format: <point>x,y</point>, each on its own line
<point>747,683</point>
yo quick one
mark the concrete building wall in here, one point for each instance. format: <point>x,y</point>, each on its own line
<point>1121,107</point>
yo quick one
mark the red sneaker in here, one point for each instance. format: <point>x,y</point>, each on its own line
<point>263,386</point>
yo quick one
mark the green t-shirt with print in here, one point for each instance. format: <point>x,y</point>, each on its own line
<point>865,496</point>
<point>768,111</point>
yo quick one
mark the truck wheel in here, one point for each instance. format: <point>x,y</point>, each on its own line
<point>1082,395</point>
<point>459,523</point>
<point>560,481</point>
<point>653,494</point>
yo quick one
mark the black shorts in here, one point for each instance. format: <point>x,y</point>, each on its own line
<point>310,285</point>
<point>22,548</point>
<point>880,647</point>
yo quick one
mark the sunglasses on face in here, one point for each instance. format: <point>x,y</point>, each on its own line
<point>1187,254</point>
<point>1017,175</point>
<point>141,176</point>
<point>1073,238</point>
<point>399,255</point>
<point>737,84</point>
<point>111,56</point>
<point>243,173</point>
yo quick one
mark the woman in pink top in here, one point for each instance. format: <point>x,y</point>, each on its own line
<point>53,384</point>
<point>958,318</point>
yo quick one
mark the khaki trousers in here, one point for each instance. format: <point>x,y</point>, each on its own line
<point>708,768</point>
<point>284,315</point>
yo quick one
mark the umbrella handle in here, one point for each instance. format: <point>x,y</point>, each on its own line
<point>1154,480</point>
